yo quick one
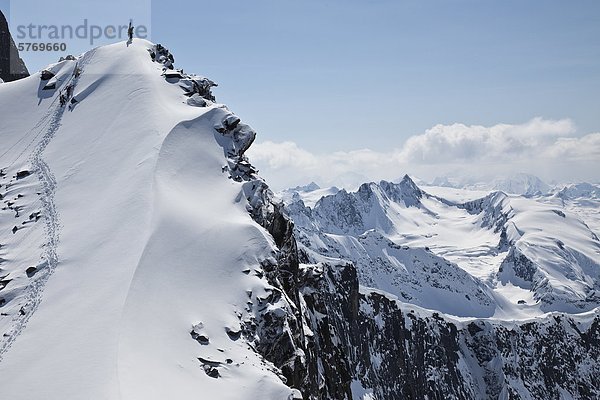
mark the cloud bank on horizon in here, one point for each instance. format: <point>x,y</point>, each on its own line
<point>547,148</point>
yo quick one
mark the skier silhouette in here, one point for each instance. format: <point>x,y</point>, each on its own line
<point>130,31</point>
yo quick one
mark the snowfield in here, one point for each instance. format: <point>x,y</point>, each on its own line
<point>140,244</point>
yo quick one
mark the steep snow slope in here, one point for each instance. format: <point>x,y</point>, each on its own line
<point>499,255</point>
<point>143,246</point>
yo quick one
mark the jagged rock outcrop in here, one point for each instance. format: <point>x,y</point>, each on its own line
<point>12,66</point>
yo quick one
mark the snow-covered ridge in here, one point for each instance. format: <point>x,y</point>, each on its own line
<point>130,205</point>
<point>581,190</point>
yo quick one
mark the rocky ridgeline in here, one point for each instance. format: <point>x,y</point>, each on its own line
<point>362,335</point>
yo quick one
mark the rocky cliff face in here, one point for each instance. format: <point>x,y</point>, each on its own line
<point>12,66</point>
<point>364,342</point>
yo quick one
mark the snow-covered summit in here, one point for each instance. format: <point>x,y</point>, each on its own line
<point>142,257</point>
<point>311,187</point>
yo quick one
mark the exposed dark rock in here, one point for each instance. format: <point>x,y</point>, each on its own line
<point>366,336</point>
<point>210,367</point>
<point>46,75</point>
<point>191,84</point>
<point>23,174</point>
<point>12,66</point>
<point>233,334</point>
<point>4,282</point>
<point>198,334</point>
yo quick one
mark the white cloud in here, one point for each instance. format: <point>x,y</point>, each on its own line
<point>548,148</point>
<point>502,142</point>
<point>584,148</point>
<point>281,155</point>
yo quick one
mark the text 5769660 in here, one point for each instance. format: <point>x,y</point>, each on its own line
<point>35,46</point>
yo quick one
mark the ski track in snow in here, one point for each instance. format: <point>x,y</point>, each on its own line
<point>51,218</point>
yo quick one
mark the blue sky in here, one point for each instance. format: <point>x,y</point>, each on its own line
<point>346,75</point>
<point>370,73</point>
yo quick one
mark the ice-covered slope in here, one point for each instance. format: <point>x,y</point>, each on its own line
<point>127,253</point>
<point>500,255</point>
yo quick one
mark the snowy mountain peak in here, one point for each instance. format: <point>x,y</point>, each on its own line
<point>311,187</point>
<point>406,191</point>
<point>583,190</point>
<point>520,183</point>
<point>523,184</point>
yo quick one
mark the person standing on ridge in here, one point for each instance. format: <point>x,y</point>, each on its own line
<point>130,31</point>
